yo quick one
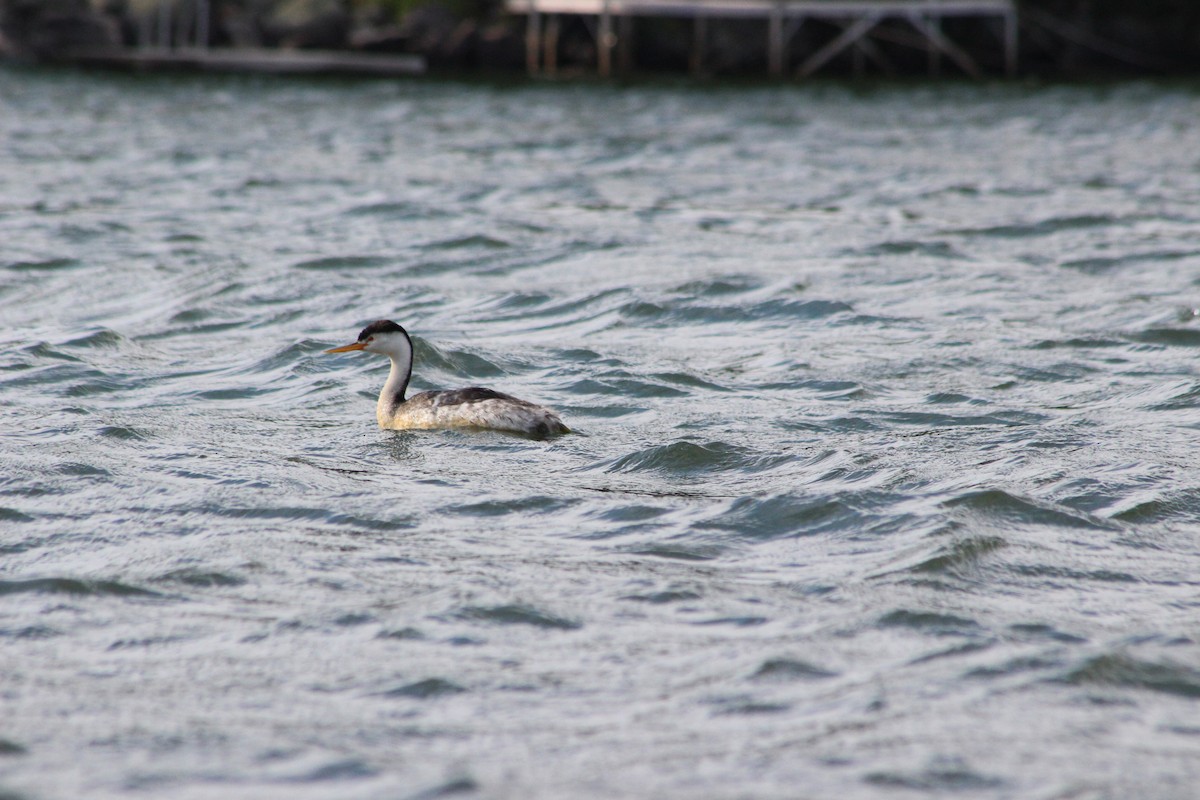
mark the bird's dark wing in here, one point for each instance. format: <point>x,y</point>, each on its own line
<point>471,394</point>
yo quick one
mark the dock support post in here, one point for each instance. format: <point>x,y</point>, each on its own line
<point>604,42</point>
<point>699,40</point>
<point>164,24</point>
<point>625,44</point>
<point>203,25</point>
<point>550,45</point>
<point>933,54</point>
<point>1010,43</point>
<point>184,29</point>
<point>775,56</point>
<point>533,40</point>
<point>145,31</point>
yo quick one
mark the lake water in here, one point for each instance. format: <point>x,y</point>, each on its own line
<point>885,479</point>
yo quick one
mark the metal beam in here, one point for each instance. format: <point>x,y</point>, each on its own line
<point>872,51</point>
<point>933,54</point>
<point>939,40</point>
<point>848,37</point>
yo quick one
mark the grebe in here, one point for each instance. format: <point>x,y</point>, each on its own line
<point>473,407</point>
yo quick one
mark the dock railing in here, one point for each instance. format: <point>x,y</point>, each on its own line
<point>858,18</point>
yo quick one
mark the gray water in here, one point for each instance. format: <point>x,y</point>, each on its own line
<point>883,483</point>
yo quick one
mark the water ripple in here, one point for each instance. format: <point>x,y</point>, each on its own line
<point>1122,671</point>
<point>74,586</point>
<point>1000,506</point>
<point>517,615</point>
<point>690,458</point>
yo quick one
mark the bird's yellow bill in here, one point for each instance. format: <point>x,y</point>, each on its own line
<point>347,348</point>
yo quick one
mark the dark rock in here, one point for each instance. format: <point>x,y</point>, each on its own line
<point>309,24</point>
<point>48,28</point>
<point>500,47</point>
<point>427,28</point>
<point>458,49</point>
<point>236,27</point>
<point>389,39</point>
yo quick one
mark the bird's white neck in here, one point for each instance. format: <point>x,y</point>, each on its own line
<point>392,394</point>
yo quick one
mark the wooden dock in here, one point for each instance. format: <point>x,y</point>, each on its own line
<point>857,18</point>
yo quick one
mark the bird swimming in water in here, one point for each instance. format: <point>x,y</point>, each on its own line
<point>473,407</point>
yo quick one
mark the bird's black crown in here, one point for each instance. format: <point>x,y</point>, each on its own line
<point>380,326</point>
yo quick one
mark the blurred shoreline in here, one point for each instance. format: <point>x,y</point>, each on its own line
<point>1058,39</point>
